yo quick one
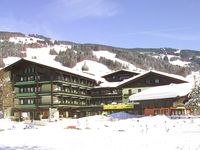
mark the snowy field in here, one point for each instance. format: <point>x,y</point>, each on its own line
<point>102,133</point>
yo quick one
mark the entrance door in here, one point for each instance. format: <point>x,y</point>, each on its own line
<point>165,111</point>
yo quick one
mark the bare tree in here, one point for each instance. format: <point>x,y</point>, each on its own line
<point>6,92</point>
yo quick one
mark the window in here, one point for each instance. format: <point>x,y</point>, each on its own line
<point>21,101</point>
<point>38,101</point>
<point>157,81</point>
<point>76,91</point>
<point>27,101</point>
<point>26,70</point>
<point>124,77</point>
<point>88,83</point>
<point>156,112</point>
<point>66,89</point>
<point>39,89</point>
<point>66,78</point>
<point>67,101</point>
<point>129,92</point>
<point>32,101</point>
<point>21,79</point>
<point>32,89</point>
<point>28,78</point>
<point>31,78</point>
<point>25,90</point>
<point>32,69</point>
<point>148,81</point>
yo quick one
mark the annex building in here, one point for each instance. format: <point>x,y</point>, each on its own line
<point>41,89</point>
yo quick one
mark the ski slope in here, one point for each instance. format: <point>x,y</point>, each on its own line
<point>112,56</point>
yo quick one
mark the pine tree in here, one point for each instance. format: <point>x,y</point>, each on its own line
<point>166,58</point>
<point>194,99</point>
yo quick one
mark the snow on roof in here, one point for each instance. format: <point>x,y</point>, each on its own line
<point>116,84</point>
<point>107,84</point>
<point>170,75</point>
<point>163,92</point>
<point>157,72</point>
<point>57,65</point>
<point>137,72</point>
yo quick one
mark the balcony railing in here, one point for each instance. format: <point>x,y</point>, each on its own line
<point>25,106</point>
<point>106,96</point>
<point>25,83</point>
<point>25,94</point>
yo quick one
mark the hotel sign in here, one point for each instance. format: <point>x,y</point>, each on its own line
<point>127,106</point>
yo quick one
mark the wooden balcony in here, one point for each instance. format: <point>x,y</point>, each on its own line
<point>22,83</point>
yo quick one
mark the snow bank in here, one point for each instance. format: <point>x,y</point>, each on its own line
<point>123,115</point>
<point>6,124</point>
<point>99,132</point>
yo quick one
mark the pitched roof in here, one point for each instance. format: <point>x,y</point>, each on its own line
<point>130,71</point>
<point>55,65</point>
<point>163,92</point>
<point>156,72</point>
<point>107,84</point>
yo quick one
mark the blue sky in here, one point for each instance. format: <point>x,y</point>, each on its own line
<point>120,23</point>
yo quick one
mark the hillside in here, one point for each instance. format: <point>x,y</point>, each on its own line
<point>73,55</point>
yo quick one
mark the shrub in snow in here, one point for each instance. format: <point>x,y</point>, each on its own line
<point>123,115</point>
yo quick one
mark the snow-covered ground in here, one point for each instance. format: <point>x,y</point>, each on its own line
<point>9,60</point>
<point>194,76</point>
<point>100,133</point>
<point>24,40</point>
<point>177,62</point>
<point>40,54</point>
<point>180,63</point>
<point>61,47</point>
